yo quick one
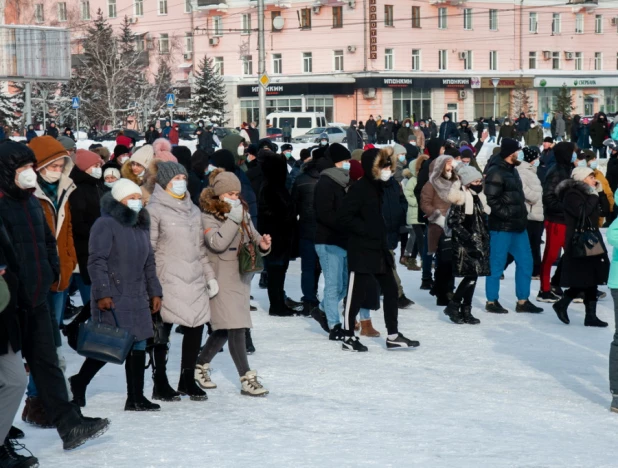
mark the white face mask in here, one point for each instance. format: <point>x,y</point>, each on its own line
<point>385,175</point>
<point>345,166</point>
<point>532,125</point>
<point>27,179</point>
<point>413,143</point>
<point>123,159</point>
<point>455,163</point>
<point>141,174</point>
<point>241,150</point>
<point>135,205</point>
<point>232,203</point>
<point>97,172</point>
<point>110,184</point>
<point>324,142</point>
<point>448,174</point>
<point>408,125</point>
<point>179,187</point>
<point>51,176</point>
<point>402,157</point>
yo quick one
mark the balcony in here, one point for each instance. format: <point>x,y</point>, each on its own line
<point>447,2</point>
<point>583,5</point>
<point>206,5</point>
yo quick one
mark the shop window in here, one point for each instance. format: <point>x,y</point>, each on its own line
<point>337,17</point>
<point>442,22</point>
<point>611,100</point>
<point>484,103</point>
<point>410,102</point>
<point>305,18</point>
<point>532,60</point>
<point>416,17</point>
<point>547,100</point>
<point>493,20</point>
<point>467,19</point>
<point>388,15</point>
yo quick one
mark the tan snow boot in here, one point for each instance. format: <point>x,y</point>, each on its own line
<point>368,330</point>
<point>251,386</point>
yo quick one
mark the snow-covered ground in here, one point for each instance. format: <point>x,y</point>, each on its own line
<point>518,390</point>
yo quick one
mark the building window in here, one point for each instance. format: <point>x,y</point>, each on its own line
<point>493,59</point>
<point>467,16</point>
<point>467,60</point>
<point>140,45</point>
<point>305,18</point>
<point>411,101</point>
<point>247,65</point>
<point>416,17</point>
<point>547,100</point>
<point>556,25</point>
<point>85,10</point>
<point>598,24</point>
<point>416,59</point>
<point>555,60</point>
<point>484,102</point>
<point>442,18</point>
<point>188,43</point>
<point>164,44</point>
<point>39,13</point>
<point>273,15</point>
<point>307,62</point>
<point>579,61</point>
<point>533,23</point>
<point>277,64</point>
<point>389,59</point>
<point>246,24</point>
<point>163,7</point>
<point>138,8</point>
<point>493,20</point>
<point>442,59</point>
<point>337,17</point>
<point>218,65</point>
<point>532,60</point>
<point>598,61</point>
<point>217,26</point>
<point>579,23</point>
<point>188,6</point>
<point>388,15</point>
<point>111,8</point>
<point>338,56</point>
<point>62,11</point>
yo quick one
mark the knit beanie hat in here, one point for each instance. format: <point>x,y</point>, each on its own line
<point>111,171</point>
<point>165,156</point>
<point>123,188</point>
<point>46,149</point>
<point>143,155</point>
<point>399,149</point>
<point>222,182</point>
<point>368,146</point>
<point>356,154</point>
<point>85,159</point>
<point>469,174</point>
<point>124,140</point>
<point>119,150</point>
<point>468,154</point>
<point>337,153</point>
<point>530,153</point>
<point>102,151</point>
<point>305,154</point>
<point>356,170</point>
<point>580,173</point>
<point>166,171</point>
<point>508,147</point>
<point>67,142</point>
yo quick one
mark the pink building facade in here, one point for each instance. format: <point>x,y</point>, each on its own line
<point>394,58</point>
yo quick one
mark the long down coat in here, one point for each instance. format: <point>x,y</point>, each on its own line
<point>182,260</point>
<point>230,308</point>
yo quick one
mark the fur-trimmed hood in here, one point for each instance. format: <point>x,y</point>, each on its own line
<point>572,184</point>
<point>211,204</point>
<point>448,190</point>
<point>123,214</point>
<point>374,160</point>
<point>127,173</point>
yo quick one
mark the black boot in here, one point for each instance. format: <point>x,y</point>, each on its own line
<point>263,280</point>
<point>134,367</point>
<point>249,342</point>
<point>79,382</point>
<point>276,296</point>
<point>162,389</point>
<point>187,386</point>
<point>454,313</point>
<point>71,331</point>
<point>11,459</point>
<point>466,313</point>
<point>561,307</point>
<point>591,319</point>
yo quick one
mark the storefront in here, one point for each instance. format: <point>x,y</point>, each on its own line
<point>510,92</point>
<point>590,94</point>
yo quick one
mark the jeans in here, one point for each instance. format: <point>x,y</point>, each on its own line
<point>334,261</point>
<point>56,302</point>
<point>491,139</point>
<point>518,245</point>
<point>84,289</point>
<point>371,138</point>
<point>602,150</point>
<point>310,271</point>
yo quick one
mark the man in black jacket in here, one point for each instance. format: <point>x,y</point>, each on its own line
<point>35,249</point>
<point>371,127</point>
<point>369,259</point>
<point>507,228</point>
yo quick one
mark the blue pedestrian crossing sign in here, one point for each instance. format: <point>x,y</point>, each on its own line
<point>75,103</point>
<point>170,100</point>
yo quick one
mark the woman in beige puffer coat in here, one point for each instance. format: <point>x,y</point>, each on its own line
<point>184,270</point>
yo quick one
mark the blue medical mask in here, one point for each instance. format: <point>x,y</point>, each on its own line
<point>209,169</point>
<point>594,164</point>
<point>520,155</point>
<point>345,166</point>
<point>574,157</point>
<point>179,187</point>
<point>288,154</point>
<point>135,205</point>
<point>582,163</point>
<point>402,157</point>
<point>109,184</point>
<point>536,162</point>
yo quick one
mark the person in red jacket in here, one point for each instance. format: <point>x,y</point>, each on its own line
<point>174,135</point>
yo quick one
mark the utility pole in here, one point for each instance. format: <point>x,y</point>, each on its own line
<point>261,68</point>
<point>28,103</point>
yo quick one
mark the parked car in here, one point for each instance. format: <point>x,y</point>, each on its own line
<point>310,137</point>
<point>186,130</point>
<point>275,134</point>
<point>301,122</point>
<point>222,132</point>
<point>111,136</point>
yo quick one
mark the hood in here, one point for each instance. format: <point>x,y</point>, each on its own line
<point>211,204</point>
<point>275,170</point>
<point>449,115</point>
<point>352,123</point>
<point>437,167</point>
<point>123,214</point>
<point>127,173</point>
<point>576,119</point>
<point>407,121</point>
<point>224,158</point>
<point>602,114</point>
<point>563,152</point>
<point>558,116</point>
<point>571,184</point>
<point>433,146</point>
<point>463,123</point>
<point>14,155</point>
<point>268,142</point>
<point>373,160</point>
<point>161,197</point>
<point>231,142</point>
<point>522,115</point>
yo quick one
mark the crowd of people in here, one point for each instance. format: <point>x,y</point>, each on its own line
<point>152,237</point>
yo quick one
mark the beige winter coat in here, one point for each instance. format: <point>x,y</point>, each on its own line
<point>533,191</point>
<point>183,267</point>
<point>229,308</point>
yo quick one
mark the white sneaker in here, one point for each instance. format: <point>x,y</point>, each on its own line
<point>251,386</point>
<point>202,376</point>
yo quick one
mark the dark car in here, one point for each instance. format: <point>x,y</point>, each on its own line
<point>111,136</point>
<point>275,134</point>
<point>222,132</point>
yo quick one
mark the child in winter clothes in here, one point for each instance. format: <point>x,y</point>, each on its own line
<point>227,224</point>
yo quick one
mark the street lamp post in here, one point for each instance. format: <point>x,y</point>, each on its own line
<point>495,81</point>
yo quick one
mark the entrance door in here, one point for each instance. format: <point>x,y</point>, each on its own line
<point>588,105</point>
<point>452,108</point>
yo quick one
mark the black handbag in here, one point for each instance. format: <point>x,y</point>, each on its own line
<point>586,241</point>
<point>161,334</point>
<point>104,342</point>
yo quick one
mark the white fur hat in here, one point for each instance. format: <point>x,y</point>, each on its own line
<point>123,188</point>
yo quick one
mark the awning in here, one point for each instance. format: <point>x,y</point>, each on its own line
<point>592,96</point>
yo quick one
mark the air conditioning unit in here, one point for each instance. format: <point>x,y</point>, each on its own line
<point>614,21</point>
<point>213,41</point>
<point>462,55</point>
<point>351,49</point>
<point>316,9</point>
<point>369,93</point>
<point>188,56</point>
<point>133,20</point>
<point>151,45</point>
<point>462,94</point>
<point>569,55</point>
<point>352,4</point>
<point>546,54</point>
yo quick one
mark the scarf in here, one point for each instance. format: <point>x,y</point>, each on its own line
<point>50,190</point>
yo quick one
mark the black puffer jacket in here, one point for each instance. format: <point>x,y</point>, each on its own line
<point>465,133</point>
<point>433,147</point>
<point>85,203</point>
<point>552,206</point>
<point>9,317</point>
<point>302,194</point>
<point>33,242</point>
<point>505,197</point>
<point>328,197</point>
<point>394,211</point>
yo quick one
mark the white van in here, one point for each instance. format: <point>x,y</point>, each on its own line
<point>301,122</point>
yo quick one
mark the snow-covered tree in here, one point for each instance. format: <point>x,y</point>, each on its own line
<point>208,94</point>
<point>522,101</point>
<point>564,102</point>
<point>12,105</point>
<point>162,85</point>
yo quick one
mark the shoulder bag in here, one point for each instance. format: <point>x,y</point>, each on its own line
<point>586,241</point>
<point>104,342</point>
<point>249,258</point>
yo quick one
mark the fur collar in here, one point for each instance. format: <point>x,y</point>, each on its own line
<point>442,186</point>
<point>123,214</point>
<point>127,173</point>
<point>572,184</point>
<point>385,156</point>
<point>210,204</point>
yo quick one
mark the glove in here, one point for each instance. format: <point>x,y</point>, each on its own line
<point>213,288</point>
<point>236,214</point>
<point>440,221</point>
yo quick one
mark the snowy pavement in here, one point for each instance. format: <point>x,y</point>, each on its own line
<point>518,390</point>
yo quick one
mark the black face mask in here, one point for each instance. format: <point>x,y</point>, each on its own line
<point>476,188</point>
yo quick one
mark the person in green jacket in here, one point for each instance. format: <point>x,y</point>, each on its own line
<point>534,136</point>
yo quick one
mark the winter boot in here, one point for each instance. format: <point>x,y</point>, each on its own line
<point>9,458</point>
<point>202,376</point>
<point>16,433</point>
<point>426,284</point>
<point>85,429</point>
<point>614,406</point>
<point>561,308</point>
<point>413,265</point>
<point>251,386</point>
<point>591,319</point>
<point>276,296</point>
<point>295,305</point>
<point>368,330</point>
<point>135,366</point>
<point>161,389</point>
<point>403,302</point>
<point>307,308</point>
<point>466,313</point>
<point>336,333</point>
<point>79,382</point>
<point>249,342</point>
<point>34,413</point>
<point>320,316</point>
<point>263,280</point>
<point>453,311</point>
<point>187,386</point>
